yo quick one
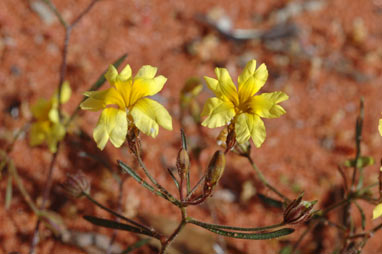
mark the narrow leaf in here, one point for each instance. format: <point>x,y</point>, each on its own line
<point>115,225</point>
<point>136,245</point>
<point>131,172</point>
<point>184,140</point>
<point>101,80</point>
<point>254,236</point>
<point>270,201</point>
<point>216,226</point>
<point>250,236</point>
<point>173,177</point>
<point>137,178</point>
<point>8,193</point>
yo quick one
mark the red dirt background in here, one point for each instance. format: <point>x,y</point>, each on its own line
<point>333,61</point>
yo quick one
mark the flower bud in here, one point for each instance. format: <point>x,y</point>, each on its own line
<point>298,211</point>
<point>183,162</point>
<point>76,185</point>
<point>215,171</point>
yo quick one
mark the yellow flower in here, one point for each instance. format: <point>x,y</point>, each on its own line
<point>47,126</point>
<point>380,127</point>
<point>125,103</point>
<point>239,107</point>
<point>377,212</point>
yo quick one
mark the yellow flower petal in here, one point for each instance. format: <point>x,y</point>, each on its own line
<point>66,92</point>
<point>54,117</point>
<point>38,132</point>
<point>147,72</point>
<point>112,125</point>
<point>218,112</point>
<point>125,73</point>
<point>111,74</point>
<point>380,127</point>
<point>40,110</point>
<point>147,114</point>
<point>213,85</point>
<point>226,87</point>
<point>55,134</point>
<point>251,80</point>
<point>265,105</point>
<point>100,99</point>
<point>377,211</point>
<point>248,125</point>
<point>248,71</point>
<point>143,87</point>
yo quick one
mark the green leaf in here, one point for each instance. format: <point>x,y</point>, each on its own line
<point>137,178</point>
<point>249,236</point>
<point>270,201</point>
<point>216,226</point>
<point>8,193</point>
<point>287,250</point>
<point>173,178</point>
<point>101,80</point>
<point>115,225</point>
<point>136,245</point>
<point>363,161</point>
<point>363,217</point>
<point>184,139</point>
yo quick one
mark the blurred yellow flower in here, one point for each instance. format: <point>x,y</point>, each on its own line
<point>380,127</point>
<point>125,103</point>
<point>47,126</point>
<point>239,107</point>
<point>377,212</point>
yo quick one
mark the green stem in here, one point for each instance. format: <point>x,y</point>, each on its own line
<point>264,180</point>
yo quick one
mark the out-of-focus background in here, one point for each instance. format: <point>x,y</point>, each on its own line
<point>325,55</point>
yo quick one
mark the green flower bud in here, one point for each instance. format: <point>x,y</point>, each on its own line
<point>215,171</point>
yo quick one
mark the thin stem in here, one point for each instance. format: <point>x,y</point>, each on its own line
<point>56,12</point>
<point>83,13</point>
<point>195,187</point>
<point>166,243</point>
<point>153,181</point>
<point>366,234</point>
<point>264,180</point>
<point>13,171</point>
<point>119,205</point>
<point>63,66</point>
<point>358,139</point>
<point>334,206</point>
<point>48,187</point>
<point>311,226</point>
<point>16,136</point>
<point>148,230</point>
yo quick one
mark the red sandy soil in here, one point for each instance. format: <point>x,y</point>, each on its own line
<point>324,70</point>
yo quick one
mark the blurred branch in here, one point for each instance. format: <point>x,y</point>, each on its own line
<point>63,67</point>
